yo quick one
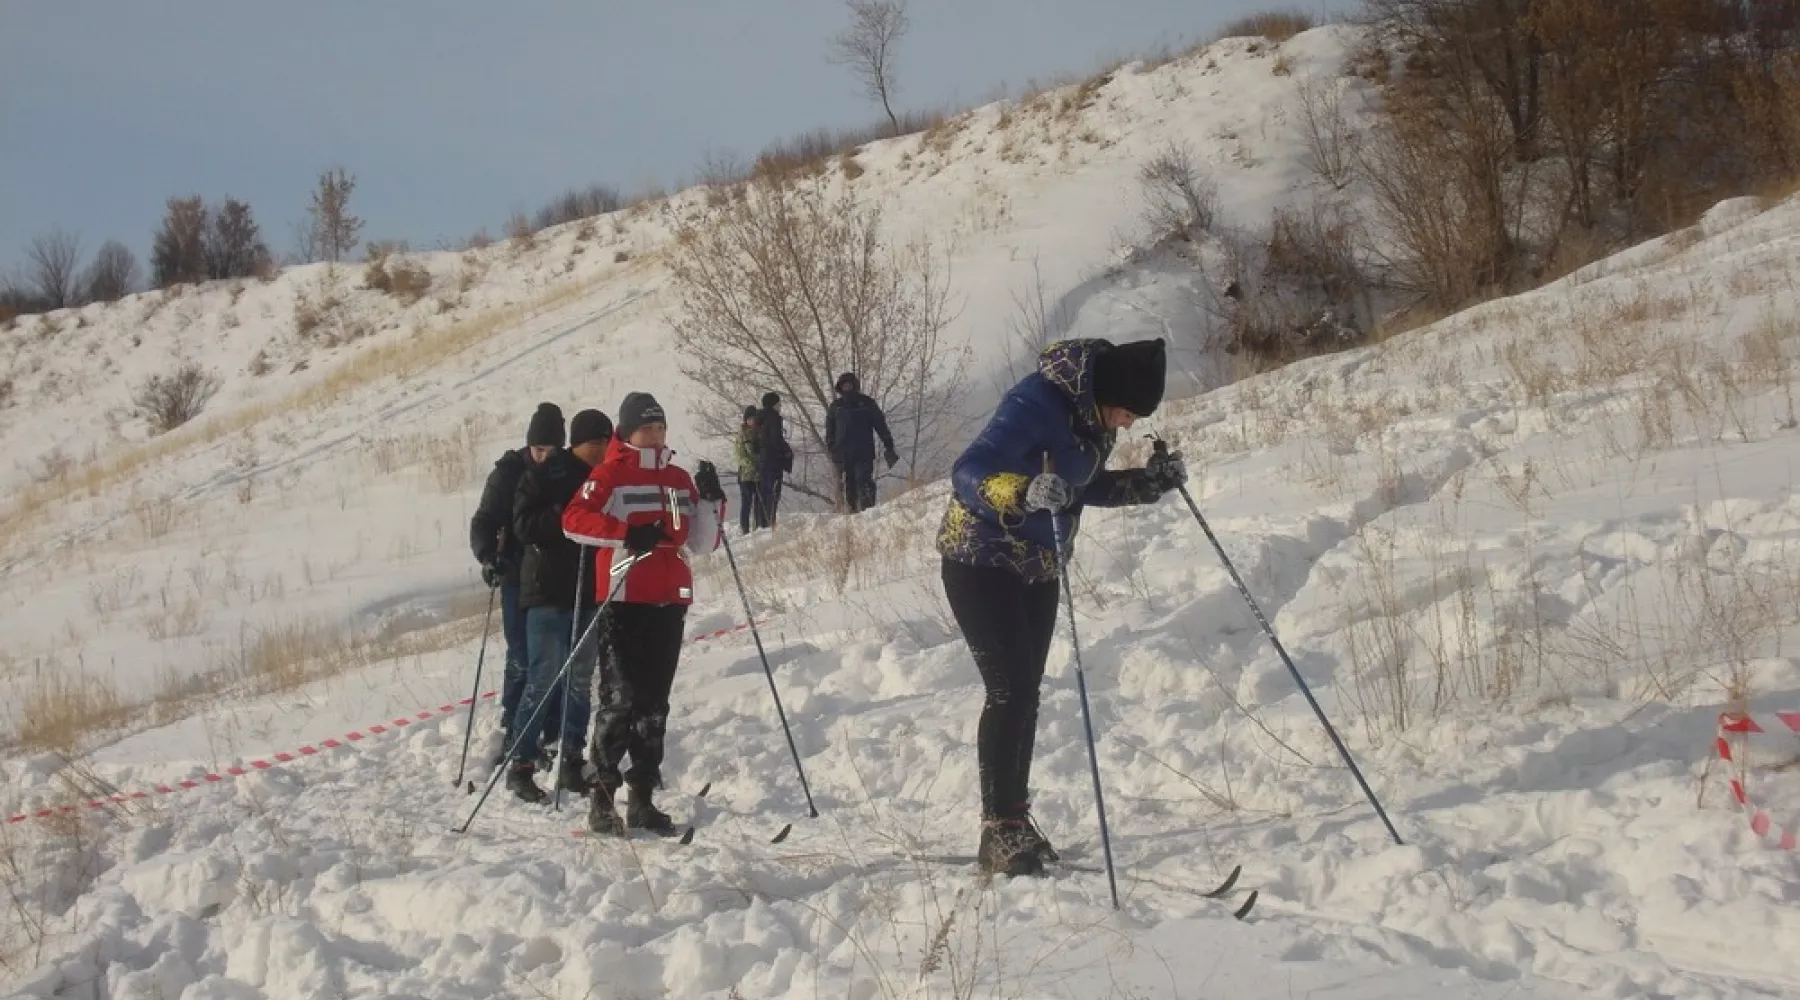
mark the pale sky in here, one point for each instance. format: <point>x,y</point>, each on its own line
<point>453,114</point>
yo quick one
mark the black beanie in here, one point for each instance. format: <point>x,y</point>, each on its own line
<point>639,408</point>
<point>1131,375</point>
<point>771,399</point>
<point>750,412</point>
<point>589,425</point>
<point>546,426</point>
<point>848,379</point>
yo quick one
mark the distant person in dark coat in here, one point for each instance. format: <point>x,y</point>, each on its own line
<point>776,457</point>
<point>852,423</point>
<point>500,553</point>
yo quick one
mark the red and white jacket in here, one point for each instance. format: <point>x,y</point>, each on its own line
<point>634,486</point>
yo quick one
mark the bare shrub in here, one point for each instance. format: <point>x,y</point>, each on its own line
<point>334,228</point>
<point>404,280</point>
<point>1178,195</point>
<point>787,288</point>
<point>321,317</point>
<point>52,267</point>
<point>113,275</point>
<point>1275,25</point>
<point>1445,196</point>
<point>518,229</point>
<point>1332,146</point>
<point>578,203</point>
<point>168,400</point>
<point>867,47</point>
<point>1298,290</point>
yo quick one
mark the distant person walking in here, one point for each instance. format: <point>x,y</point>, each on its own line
<point>775,457</point>
<point>852,423</point>
<point>501,554</point>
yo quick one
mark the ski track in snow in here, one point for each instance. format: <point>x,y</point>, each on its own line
<point>1523,610</point>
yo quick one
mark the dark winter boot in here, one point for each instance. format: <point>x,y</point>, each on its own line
<point>640,814</point>
<point>1008,848</point>
<point>603,816</point>
<point>519,782</point>
<point>571,775</point>
<point>1040,843</point>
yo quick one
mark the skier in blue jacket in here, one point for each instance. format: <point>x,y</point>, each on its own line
<point>1042,455</point>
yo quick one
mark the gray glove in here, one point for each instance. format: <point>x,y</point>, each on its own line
<point>1048,491</point>
<point>1166,470</point>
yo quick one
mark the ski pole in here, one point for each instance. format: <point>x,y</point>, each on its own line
<point>487,625</point>
<point>1162,448</point>
<point>1087,721</point>
<point>537,713</point>
<point>812,811</point>
<point>562,738</point>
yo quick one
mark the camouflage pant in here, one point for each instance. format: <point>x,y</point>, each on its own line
<point>644,643</point>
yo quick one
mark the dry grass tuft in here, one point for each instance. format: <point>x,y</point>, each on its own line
<point>1276,25</point>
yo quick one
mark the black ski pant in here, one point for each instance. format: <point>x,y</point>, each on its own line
<point>1008,624</point>
<point>644,643</point>
<point>750,510</point>
<point>859,485</point>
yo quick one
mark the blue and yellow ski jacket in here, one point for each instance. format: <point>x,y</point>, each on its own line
<point>1051,412</point>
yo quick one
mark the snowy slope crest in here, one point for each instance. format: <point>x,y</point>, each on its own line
<point>1524,557</point>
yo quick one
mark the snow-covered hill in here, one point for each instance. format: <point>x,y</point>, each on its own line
<point>1524,555</point>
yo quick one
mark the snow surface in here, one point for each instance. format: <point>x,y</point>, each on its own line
<point>1525,556</point>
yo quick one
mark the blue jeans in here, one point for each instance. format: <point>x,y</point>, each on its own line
<point>512,625</point>
<point>549,642</point>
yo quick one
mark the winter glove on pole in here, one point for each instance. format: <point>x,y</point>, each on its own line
<point>1166,469</point>
<point>1047,491</point>
<point>892,457</point>
<point>706,480</point>
<point>642,538</point>
<point>491,575</point>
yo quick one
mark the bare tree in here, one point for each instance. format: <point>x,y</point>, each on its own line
<point>51,267</point>
<point>178,252</point>
<point>867,47</point>
<point>786,288</point>
<point>113,275</point>
<point>334,229</point>
<point>1178,196</point>
<point>234,246</point>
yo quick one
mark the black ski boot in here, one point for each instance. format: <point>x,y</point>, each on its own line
<point>1009,848</point>
<point>603,816</point>
<point>519,782</point>
<point>640,814</point>
<point>571,775</point>
<point>1039,842</point>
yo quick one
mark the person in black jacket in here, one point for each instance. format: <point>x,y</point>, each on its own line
<point>852,423</point>
<point>549,591</point>
<point>491,540</point>
<point>777,458</point>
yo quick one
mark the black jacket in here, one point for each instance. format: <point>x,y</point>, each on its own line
<point>547,580</point>
<point>490,529</point>
<point>852,422</point>
<point>777,457</point>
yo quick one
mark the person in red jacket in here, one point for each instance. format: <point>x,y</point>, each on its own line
<point>636,502</point>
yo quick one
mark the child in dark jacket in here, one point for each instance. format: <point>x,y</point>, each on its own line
<point>1042,456</point>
